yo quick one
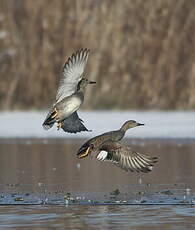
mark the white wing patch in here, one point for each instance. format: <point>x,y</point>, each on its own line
<point>102,155</point>
<point>72,74</point>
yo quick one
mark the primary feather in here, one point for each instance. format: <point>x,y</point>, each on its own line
<point>125,158</point>
<point>72,74</point>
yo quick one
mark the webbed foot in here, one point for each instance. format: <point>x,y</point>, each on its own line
<point>59,125</point>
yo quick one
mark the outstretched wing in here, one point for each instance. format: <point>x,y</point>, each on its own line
<point>72,74</point>
<point>73,124</point>
<point>125,158</point>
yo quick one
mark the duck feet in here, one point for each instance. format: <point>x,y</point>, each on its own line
<point>59,125</point>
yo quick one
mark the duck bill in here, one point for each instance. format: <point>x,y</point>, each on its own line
<point>92,82</point>
<point>85,153</point>
<point>140,124</point>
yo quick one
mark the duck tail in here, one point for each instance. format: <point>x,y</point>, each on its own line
<point>84,150</point>
<point>47,125</point>
<point>50,120</point>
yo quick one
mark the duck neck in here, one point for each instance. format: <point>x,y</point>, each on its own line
<point>80,94</point>
<point>81,90</point>
<point>122,134</point>
<point>124,128</point>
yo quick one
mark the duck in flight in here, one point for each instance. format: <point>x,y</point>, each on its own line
<point>70,95</point>
<point>107,147</point>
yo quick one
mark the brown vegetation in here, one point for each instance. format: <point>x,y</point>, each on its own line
<point>143,52</point>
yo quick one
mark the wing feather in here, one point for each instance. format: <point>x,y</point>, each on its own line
<point>127,159</point>
<point>72,74</point>
<point>73,124</point>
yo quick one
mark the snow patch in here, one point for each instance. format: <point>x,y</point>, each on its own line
<point>157,124</point>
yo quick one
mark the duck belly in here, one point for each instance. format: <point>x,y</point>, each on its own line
<point>68,106</point>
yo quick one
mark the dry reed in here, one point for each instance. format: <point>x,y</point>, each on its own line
<point>143,52</point>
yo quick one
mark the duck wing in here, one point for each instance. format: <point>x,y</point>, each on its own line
<point>125,158</point>
<point>73,124</point>
<point>72,74</point>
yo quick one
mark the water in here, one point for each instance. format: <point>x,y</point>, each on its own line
<point>44,186</point>
<point>97,217</point>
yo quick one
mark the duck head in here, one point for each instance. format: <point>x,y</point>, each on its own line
<point>130,124</point>
<point>83,83</point>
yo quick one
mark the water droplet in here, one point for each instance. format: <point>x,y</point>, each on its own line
<point>78,165</point>
<point>140,180</point>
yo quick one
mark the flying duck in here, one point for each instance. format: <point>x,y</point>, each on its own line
<point>107,147</point>
<point>70,95</point>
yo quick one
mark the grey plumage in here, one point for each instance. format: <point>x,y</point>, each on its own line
<point>116,135</point>
<point>107,147</point>
<point>72,74</point>
<point>73,124</point>
<point>70,94</point>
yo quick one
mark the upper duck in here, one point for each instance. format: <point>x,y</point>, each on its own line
<point>70,95</point>
<point>107,147</point>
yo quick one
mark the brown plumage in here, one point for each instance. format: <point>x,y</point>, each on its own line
<point>125,157</point>
<point>106,147</point>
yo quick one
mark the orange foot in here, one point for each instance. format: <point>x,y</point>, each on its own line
<point>59,125</point>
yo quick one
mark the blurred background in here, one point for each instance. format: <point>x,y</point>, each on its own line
<point>142,52</point>
<point>143,60</point>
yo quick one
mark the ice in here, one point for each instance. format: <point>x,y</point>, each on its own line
<point>158,124</point>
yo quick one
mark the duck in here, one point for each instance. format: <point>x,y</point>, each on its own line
<point>70,95</point>
<point>107,147</point>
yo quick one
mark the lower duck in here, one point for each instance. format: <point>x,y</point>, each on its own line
<point>107,147</point>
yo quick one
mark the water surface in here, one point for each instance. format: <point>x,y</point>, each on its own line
<point>63,191</point>
<point>97,217</point>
